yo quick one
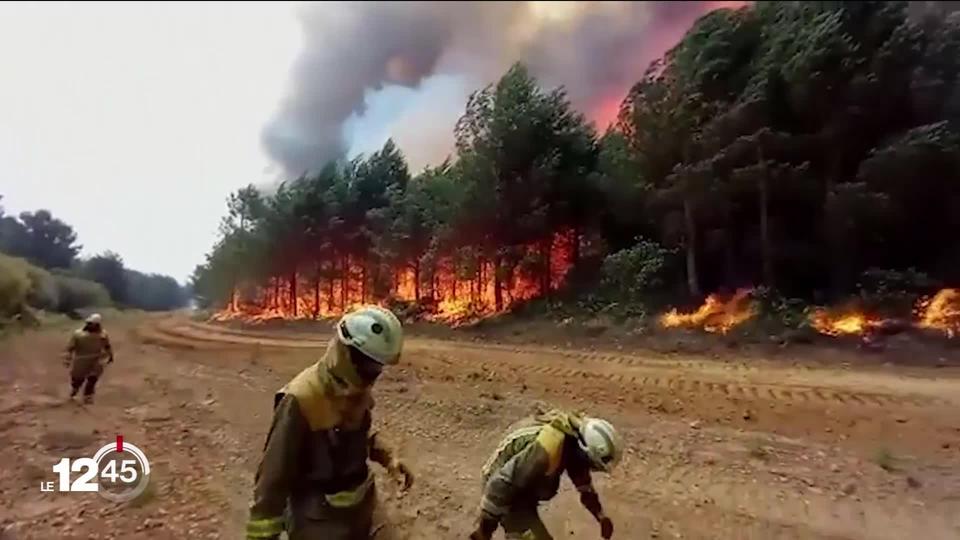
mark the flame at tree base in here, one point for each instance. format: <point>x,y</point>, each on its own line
<point>941,312</point>
<point>443,293</point>
<point>715,315</point>
<point>841,324</point>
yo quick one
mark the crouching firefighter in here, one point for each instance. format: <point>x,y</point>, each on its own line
<point>313,479</point>
<point>526,468</point>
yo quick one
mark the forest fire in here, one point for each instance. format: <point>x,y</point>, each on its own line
<point>941,312</point>
<point>715,315</point>
<point>841,324</point>
<point>448,295</point>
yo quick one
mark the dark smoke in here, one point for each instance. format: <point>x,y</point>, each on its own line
<point>596,50</point>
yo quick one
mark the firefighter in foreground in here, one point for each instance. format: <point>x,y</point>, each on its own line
<point>84,356</point>
<point>313,480</point>
<point>526,468</point>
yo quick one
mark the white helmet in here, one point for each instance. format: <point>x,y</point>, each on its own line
<point>600,442</point>
<point>93,318</point>
<point>375,331</point>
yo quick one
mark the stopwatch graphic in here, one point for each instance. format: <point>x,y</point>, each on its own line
<point>119,472</point>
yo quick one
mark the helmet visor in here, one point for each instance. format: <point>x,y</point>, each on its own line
<point>367,368</point>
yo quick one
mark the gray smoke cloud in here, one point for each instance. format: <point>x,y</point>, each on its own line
<point>597,50</point>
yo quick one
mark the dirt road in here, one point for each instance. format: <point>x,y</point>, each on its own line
<point>717,449</point>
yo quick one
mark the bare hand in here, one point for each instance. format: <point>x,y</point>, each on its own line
<point>399,467</point>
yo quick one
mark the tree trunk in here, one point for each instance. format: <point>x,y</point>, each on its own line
<point>766,248</point>
<point>730,259</point>
<point>316,295</point>
<point>344,281</point>
<point>546,256</point>
<point>416,280</point>
<point>330,285</point>
<point>693,282</point>
<point>575,248</point>
<point>497,284</point>
<point>276,293</point>
<point>293,293</point>
<point>363,282</point>
<point>837,243</point>
<point>478,278</point>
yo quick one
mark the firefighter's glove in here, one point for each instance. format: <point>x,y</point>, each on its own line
<point>399,468</point>
<point>485,529</point>
<point>606,527</point>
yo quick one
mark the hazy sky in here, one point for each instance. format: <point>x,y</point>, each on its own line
<point>132,122</point>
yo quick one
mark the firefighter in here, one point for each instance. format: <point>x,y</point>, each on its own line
<point>313,479</point>
<point>84,356</point>
<point>526,468</point>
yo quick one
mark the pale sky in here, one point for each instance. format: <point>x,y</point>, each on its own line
<point>133,122</point>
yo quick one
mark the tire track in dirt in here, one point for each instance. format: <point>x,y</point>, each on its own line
<point>629,371</point>
<point>443,422</point>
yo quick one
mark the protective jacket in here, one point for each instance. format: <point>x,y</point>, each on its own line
<point>87,350</point>
<point>527,465</point>
<point>314,466</point>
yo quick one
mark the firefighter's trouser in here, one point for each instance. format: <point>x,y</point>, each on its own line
<point>315,520</point>
<point>88,389</point>
<point>525,524</point>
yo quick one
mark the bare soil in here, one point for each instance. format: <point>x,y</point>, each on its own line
<point>731,443</point>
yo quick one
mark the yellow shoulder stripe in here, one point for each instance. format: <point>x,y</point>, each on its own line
<point>551,439</point>
<point>313,399</point>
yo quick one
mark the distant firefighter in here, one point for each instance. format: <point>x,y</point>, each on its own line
<point>525,471</point>
<point>85,353</point>
<point>313,480</point>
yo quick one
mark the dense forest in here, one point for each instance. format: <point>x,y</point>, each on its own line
<point>807,147</point>
<point>40,268</point>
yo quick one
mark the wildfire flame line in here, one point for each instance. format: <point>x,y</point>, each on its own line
<point>940,313</point>
<point>453,298</point>
<point>715,315</point>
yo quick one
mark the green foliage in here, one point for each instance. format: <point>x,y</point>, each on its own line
<point>153,292</point>
<point>49,243</point>
<point>14,285</point>
<point>76,293</point>
<point>44,293</point>
<point>635,271</point>
<point>22,284</point>
<point>40,238</point>
<point>107,269</point>
<point>783,312</point>
<point>893,291</point>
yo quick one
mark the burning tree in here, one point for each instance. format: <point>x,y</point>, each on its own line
<point>789,144</point>
<point>498,226</point>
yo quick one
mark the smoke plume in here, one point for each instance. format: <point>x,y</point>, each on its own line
<point>351,51</point>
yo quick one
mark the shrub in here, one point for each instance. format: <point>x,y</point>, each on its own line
<point>787,312</point>
<point>43,293</point>
<point>14,285</point>
<point>75,293</point>
<point>893,291</point>
<point>632,272</point>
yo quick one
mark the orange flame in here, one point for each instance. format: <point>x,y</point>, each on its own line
<point>456,299</point>
<point>941,312</point>
<point>841,324</point>
<point>715,315</point>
